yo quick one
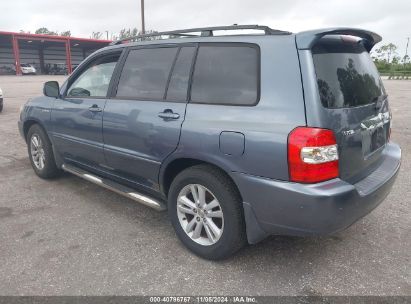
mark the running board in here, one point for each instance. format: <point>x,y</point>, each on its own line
<point>116,187</point>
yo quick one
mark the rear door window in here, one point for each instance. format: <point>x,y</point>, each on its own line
<point>346,75</point>
<point>226,74</point>
<point>146,72</point>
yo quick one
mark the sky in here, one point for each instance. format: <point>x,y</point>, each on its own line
<point>390,19</point>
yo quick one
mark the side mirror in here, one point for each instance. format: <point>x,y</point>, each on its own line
<point>51,89</point>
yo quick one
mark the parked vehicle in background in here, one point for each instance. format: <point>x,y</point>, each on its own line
<point>238,136</point>
<point>27,69</point>
<point>7,70</point>
<point>56,69</point>
<point>1,100</point>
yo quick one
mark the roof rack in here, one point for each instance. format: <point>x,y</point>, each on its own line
<point>204,32</point>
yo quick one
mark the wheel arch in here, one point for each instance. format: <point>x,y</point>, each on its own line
<point>26,127</point>
<point>29,123</point>
<point>174,166</point>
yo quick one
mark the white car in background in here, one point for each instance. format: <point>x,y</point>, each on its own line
<point>27,68</point>
<point>1,100</point>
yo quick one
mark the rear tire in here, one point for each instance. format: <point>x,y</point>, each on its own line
<point>220,219</point>
<point>41,153</point>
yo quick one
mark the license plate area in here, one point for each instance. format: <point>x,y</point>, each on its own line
<point>374,135</point>
<point>377,139</point>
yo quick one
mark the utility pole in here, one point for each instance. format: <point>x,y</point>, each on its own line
<point>143,27</point>
<point>406,50</point>
<point>107,34</point>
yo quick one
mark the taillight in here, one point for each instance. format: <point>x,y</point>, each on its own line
<point>312,155</point>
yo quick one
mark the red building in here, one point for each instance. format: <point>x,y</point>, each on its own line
<point>47,53</point>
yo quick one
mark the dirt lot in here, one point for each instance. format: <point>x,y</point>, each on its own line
<point>70,237</point>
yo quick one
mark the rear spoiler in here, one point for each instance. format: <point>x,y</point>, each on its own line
<point>305,40</point>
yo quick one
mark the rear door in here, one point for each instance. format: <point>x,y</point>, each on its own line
<point>354,103</point>
<point>142,120</point>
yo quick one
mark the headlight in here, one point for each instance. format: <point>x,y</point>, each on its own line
<point>1,93</point>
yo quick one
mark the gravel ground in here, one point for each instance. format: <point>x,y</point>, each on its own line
<point>70,237</point>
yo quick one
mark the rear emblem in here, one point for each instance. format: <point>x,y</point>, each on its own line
<point>348,132</point>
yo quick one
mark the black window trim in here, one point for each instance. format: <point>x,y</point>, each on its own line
<point>113,91</point>
<point>190,74</point>
<point>239,44</point>
<point>85,65</point>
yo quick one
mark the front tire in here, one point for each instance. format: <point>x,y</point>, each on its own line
<point>41,153</point>
<point>206,212</point>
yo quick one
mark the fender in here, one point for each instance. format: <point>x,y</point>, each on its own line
<point>202,156</point>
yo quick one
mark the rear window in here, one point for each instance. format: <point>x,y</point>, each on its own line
<point>226,74</point>
<point>346,75</point>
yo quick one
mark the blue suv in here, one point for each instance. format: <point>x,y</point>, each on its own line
<point>239,136</point>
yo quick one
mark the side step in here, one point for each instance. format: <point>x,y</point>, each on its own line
<point>116,187</point>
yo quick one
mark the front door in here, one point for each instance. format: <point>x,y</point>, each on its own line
<point>142,121</point>
<point>77,116</point>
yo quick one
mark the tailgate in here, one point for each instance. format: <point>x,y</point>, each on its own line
<point>353,103</point>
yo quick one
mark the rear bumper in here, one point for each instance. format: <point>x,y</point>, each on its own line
<point>277,207</point>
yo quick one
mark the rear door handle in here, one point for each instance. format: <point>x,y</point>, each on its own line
<point>95,108</point>
<point>168,114</point>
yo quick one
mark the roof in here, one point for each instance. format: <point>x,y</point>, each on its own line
<point>203,32</point>
<point>304,40</point>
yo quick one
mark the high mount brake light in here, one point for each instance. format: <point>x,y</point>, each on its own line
<point>312,155</point>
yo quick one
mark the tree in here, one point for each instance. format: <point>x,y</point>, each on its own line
<point>155,37</point>
<point>45,31</point>
<point>127,33</point>
<point>96,35</point>
<point>396,60</point>
<point>65,34</point>
<point>387,51</point>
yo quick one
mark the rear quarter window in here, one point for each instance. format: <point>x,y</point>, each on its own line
<point>346,75</point>
<point>226,74</point>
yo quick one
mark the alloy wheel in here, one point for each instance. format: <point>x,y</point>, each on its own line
<point>37,151</point>
<point>200,214</point>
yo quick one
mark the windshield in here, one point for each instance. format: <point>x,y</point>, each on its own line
<point>346,75</point>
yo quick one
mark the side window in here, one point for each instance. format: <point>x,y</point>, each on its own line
<point>177,88</point>
<point>145,73</point>
<point>95,80</point>
<point>226,74</point>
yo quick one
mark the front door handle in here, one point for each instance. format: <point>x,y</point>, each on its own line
<point>168,114</point>
<point>95,108</point>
